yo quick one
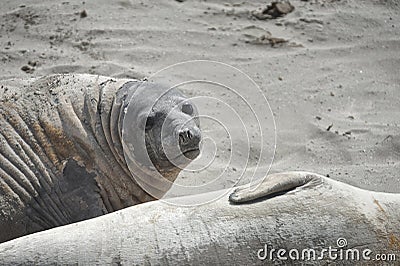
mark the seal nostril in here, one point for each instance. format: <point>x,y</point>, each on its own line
<point>188,137</point>
<point>181,138</point>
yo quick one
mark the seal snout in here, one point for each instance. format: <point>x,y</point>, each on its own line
<point>189,141</point>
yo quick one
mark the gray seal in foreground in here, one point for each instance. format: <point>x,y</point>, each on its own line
<point>298,211</point>
<point>72,147</point>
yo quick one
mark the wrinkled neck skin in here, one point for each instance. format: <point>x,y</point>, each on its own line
<point>143,178</point>
<point>153,178</point>
<point>98,145</point>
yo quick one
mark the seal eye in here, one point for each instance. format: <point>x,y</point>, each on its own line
<point>149,122</point>
<point>187,108</point>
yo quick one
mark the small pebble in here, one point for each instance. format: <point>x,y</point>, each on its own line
<point>83,14</point>
<point>27,69</point>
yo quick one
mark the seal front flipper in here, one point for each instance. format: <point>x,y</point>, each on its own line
<point>80,193</point>
<point>274,184</point>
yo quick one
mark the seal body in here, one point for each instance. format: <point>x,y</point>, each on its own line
<point>314,213</point>
<point>61,151</point>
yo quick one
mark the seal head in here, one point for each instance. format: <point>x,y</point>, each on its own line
<point>161,132</point>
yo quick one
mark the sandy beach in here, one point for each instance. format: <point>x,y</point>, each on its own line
<point>329,69</point>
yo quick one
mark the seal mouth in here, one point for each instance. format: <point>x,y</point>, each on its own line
<point>191,153</point>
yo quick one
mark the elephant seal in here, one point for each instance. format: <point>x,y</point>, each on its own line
<point>73,147</point>
<point>291,218</point>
